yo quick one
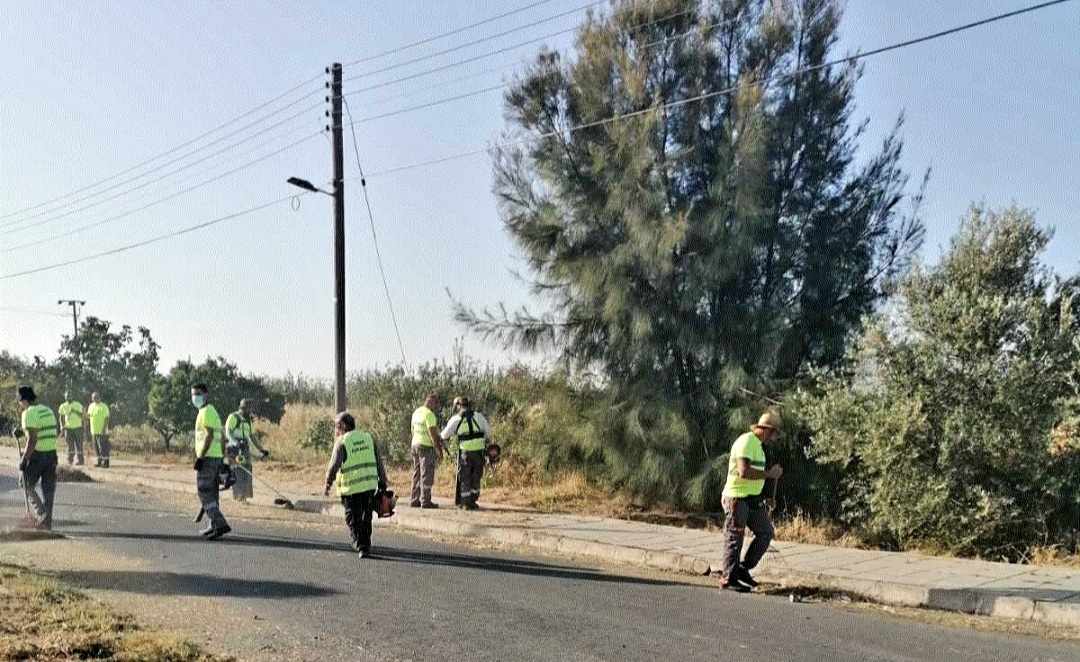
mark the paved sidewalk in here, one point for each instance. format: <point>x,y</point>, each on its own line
<point>1049,595</point>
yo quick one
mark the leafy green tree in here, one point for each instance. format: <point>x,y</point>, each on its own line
<point>956,424</point>
<point>118,364</point>
<point>171,412</point>
<point>728,241</point>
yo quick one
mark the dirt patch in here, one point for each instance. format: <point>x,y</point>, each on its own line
<point>66,474</point>
<point>10,534</point>
<point>44,619</point>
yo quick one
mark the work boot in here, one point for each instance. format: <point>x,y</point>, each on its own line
<point>364,552</point>
<point>217,533</point>
<point>414,504</point>
<point>105,463</point>
<point>731,585</point>
<point>743,575</point>
<point>429,505</point>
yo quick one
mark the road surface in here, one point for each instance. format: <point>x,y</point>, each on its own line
<point>284,588</point>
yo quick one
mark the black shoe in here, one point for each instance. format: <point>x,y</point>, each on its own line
<point>217,533</point>
<point>429,505</point>
<point>414,504</point>
<point>743,575</point>
<point>364,552</point>
<point>471,506</point>
<point>734,586</point>
<point>106,465</point>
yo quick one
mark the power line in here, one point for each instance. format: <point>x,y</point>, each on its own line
<point>171,196</point>
<point>8,226</point>
<point>608,120</point>
<point>506,49</point>
<point>152,240</point>
<point>500,86</point>
<point>482,40</point>
<point>443,35</point>
<point>682,102</point>
<point>174,149</point>
<point>375,237</point>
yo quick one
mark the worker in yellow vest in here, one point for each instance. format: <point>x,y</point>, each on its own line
<point>356,469</point>
<point>473,435</point>
<point>241,435</point>
<point>427,450</point>
<point>744,503</point>
<point>38,461</point>
<point>71,419</point>
<point>209,459</point>
<point>98,413</point>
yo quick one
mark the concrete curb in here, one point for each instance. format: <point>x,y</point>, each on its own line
<point>970,601</point>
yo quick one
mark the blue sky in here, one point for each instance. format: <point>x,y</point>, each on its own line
<point>92,89</point>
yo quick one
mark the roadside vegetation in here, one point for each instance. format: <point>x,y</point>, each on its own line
<point>743,252</point>
<point>44,619</point>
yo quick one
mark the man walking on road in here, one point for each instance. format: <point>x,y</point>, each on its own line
<point>98,413</point>
<point>38,461</point>
<point>71,418</point>
<point>744,503</point>
<point>473,436</point>
<point>209,454</point>
<point>357,469</point>
<point>427,449</point>
<point>241,436</point>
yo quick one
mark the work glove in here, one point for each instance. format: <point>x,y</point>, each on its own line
<point>18,433</point>
<point>265,454</point>
<point>198,464</point>
<point>382,485</point>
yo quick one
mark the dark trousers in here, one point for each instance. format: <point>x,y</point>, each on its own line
<point>358,510</point>
<point>742,514</point>
<point>101,446</point>
<point>42,468</point>
<point>73,438</point>
<point>470,473</point>
<point>206,482</point>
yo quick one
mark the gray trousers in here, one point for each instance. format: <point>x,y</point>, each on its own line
<point>101,446</point>
<point>470,473</point>
<point>206,481</point>
<point>740,515</point>
<point>423,473</point>
<point>42,468</point>
<point>73,439</point>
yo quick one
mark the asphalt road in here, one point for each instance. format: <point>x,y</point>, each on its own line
<point>300,587</point>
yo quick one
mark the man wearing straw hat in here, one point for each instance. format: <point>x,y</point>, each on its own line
<point>744,503</point>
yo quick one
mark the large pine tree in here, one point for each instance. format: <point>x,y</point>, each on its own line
<point>696,249</point>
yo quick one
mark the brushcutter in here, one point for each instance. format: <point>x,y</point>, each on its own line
<point>280,499</point>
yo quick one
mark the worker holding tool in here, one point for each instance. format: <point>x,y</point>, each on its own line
<point>209,459</point>
<point>71,419</point>
<point>241,436</point>
<point>473,435</point>
<point>427,449</point>
<point>357,470</point>
<point>98,413</point>
<point>38,461</point>
<point>744,504</point>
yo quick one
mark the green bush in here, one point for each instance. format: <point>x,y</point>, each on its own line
<point>952,427</point>
<point>319,435</point>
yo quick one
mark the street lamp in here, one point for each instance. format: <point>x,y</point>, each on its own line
<point>340,400</point>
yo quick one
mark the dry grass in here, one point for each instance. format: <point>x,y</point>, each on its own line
<point>805,529</point>
<point>42,619</point>
<point>1053,555</point>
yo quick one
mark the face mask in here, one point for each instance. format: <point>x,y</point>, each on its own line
<point>198,401</point>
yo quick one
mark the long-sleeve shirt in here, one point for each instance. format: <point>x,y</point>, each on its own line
<point>337,458</point>
<point>452,425</point>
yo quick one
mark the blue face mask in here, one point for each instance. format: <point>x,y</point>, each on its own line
<point>198,401</point>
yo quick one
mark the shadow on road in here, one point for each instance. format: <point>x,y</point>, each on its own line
<point>171,583</point>
<point>455,560</point>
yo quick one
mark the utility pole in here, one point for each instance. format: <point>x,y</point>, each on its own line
<point>340,398</point>
<point>74,303</point>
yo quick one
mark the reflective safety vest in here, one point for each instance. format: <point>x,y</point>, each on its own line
<point>238,426</point>
<point>470,435</point>
<point>42,420</point>
<point>71,412</point>
<point>360,471</point>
